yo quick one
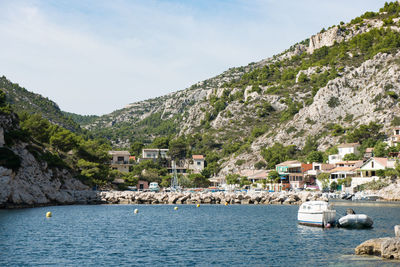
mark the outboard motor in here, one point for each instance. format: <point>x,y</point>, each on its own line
<point>350,211</point>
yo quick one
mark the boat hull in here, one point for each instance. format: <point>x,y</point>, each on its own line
<point>319,219</point>
<point>355,221</point>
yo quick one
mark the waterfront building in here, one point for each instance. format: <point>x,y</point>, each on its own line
<point>310,176</point>
<point>120,160</point>
<point>154,153</point>
<point>197,163</point>
<point>292,172</point>
<point>394,139</point>
<point>369,170</point>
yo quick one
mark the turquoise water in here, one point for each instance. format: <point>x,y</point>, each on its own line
<point>212,235</point>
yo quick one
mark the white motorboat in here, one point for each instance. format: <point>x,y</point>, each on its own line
<point>316,213</point>
<point>355,221</point>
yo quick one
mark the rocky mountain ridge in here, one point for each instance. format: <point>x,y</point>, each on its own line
<point>347,75</point>
<point>360,88</point>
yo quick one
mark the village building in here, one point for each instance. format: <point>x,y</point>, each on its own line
<point>120,160</point>
<point>142,185</point>
<point>292,172</point>
<point>369,153</point>
<point>197,163</point>
<point>154,153</point>
<point>182,166</point>
<point>344,149</point>
<point>257,176</point>
<point>369,170</point>
<point>217,181</point>
<point>394,139</point>
<point>310,176</point>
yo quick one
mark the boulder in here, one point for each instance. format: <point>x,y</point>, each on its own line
<point>387,248</point>
<point>391,249</point>
<point>371,247</point>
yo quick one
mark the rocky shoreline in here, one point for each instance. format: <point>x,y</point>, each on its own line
<point>88,197</point>
<point>386,247</point>
<point>72,197</point>
<point>285,198</point>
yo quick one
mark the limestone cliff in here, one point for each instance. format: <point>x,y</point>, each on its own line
<point>33,183</point>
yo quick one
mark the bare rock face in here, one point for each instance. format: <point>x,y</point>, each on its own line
<point>371,247</point>
<point>327,38</point>
<point>34,184</point>
<point>387,247</point>
<point>391,249</point>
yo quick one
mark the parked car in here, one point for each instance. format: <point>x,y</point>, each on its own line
<point>153,187</point>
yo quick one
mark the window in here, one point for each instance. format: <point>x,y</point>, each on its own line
<point>120,159</point>
<point>198,163</point>
<point>316,168</point>
<point>372,164</point>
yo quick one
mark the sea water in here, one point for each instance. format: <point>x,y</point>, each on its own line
<point>159,235</point>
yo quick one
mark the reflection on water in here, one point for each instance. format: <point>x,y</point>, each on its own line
<point>158,235</point>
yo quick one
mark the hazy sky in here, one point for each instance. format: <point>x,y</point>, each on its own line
<point>93,57</point>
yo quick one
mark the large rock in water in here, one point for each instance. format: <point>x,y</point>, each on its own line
<point>387,248</point>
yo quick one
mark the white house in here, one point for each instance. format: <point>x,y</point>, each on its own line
<point>395,138</point>
<point>197,163</point>
<point>154,153</point>
<point>368,171</point>
<point>120,160</point>
<point>344,149</point>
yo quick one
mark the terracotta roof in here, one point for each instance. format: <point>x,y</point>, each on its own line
<point>132,157</point>
<point>382,161</point>
<point>347,162</point>
<point>369,150</point>
<point>326,166</point>
<point>259,175</point>
<point>248,172</point>
<point>289,162</point>
<point>348,145</point>
<point>197,156</point>
<point>343,169</point>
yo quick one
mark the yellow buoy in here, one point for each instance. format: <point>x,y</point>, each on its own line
<point>48,214</point>
<point>198,205</point>
<point>176,208</point>
<point>136,211</point>
<point>226,203</point>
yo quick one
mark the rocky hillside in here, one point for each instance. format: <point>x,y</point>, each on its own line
<point>26,181</point>
<point>347,75</point>
<point>320,88</point>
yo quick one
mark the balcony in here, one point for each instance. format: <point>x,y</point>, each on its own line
<point>121,162</point>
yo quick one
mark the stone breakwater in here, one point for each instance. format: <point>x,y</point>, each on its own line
<point>386,247</point>
<point>285,198</point>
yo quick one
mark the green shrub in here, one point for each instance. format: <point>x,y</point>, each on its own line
<point>395,121</point>
<point>240,162</point>
<point>333,102</point>
<point>260,165</point>
<point>392,94</point>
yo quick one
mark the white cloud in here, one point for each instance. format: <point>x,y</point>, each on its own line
<point>97,56</point>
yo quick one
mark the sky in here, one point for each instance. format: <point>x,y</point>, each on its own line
<point>94,57</point>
